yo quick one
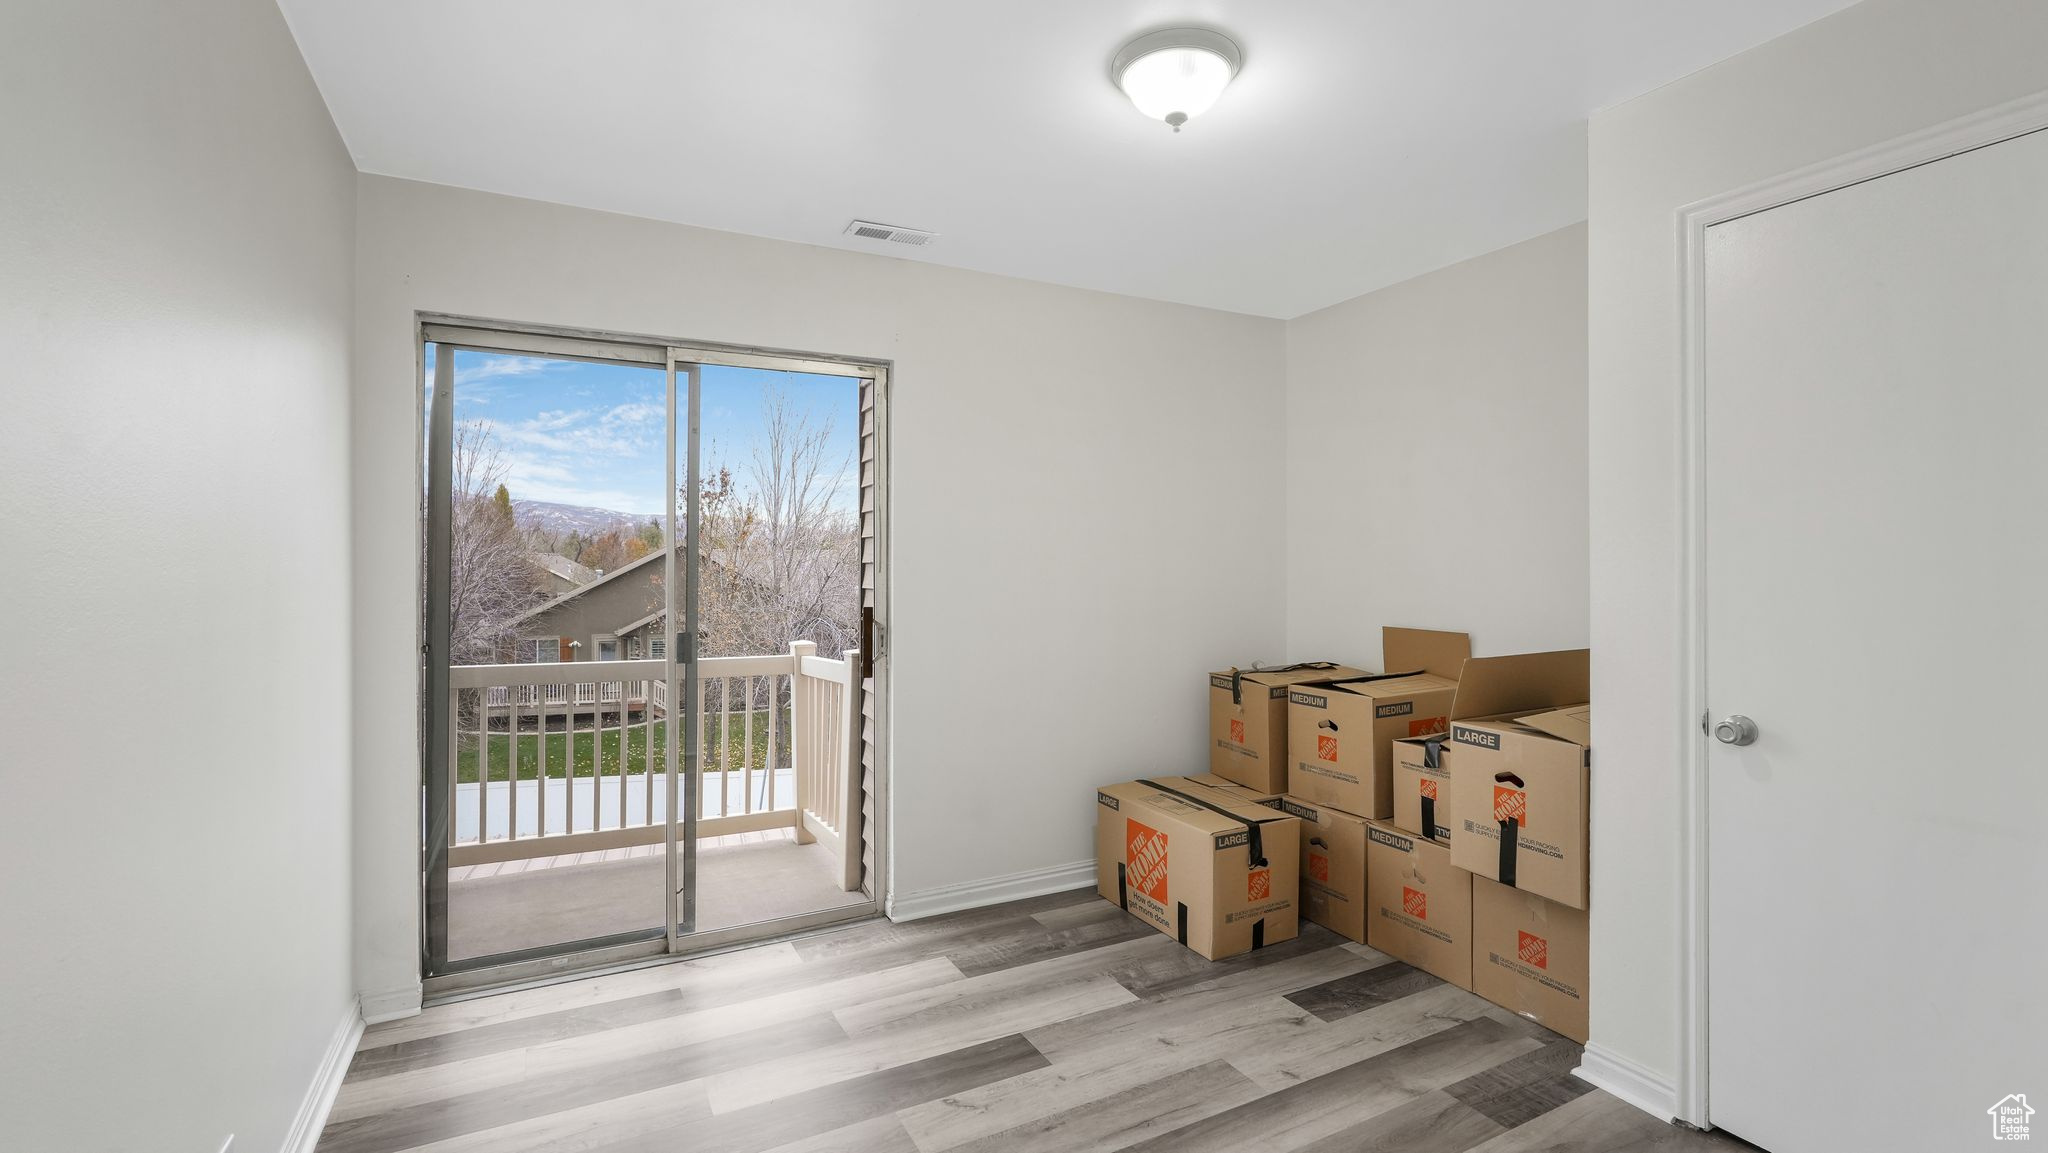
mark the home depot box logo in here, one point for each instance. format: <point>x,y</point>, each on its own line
<point>1326,748</point>
<point>1428,787</point>
<point>1427,726</point>
<point>1415,903</point>
<point>1510,804</point>
<point>1318,866</point>
<point>1532,948</point>
<point>1258,884</point>
<point>1237,731</point>
<point>1145,852</point>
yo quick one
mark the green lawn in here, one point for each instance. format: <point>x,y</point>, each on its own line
<point>468,745</point>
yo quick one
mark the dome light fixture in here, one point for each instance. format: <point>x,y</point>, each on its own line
<point>1175,74</point>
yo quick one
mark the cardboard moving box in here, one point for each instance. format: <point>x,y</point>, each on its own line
<point>1340,731</point>
<point>1529,956</point>
<point>1519,773</point>
<point>1209,867</point>
<point>1248,720</point>
<point>1422,776</point>
<point>1212,781</point>
<point>1333,882</point>
<point>1418,905</point>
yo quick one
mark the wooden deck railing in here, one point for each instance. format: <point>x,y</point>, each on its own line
<point>776,749</point>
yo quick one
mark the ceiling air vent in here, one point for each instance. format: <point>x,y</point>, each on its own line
<point>867,230</point>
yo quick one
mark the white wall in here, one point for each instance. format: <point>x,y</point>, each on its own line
<point>1079,525</point>
<point>175,220</point>
<point>1863,76</point>
<point>1461,393</point>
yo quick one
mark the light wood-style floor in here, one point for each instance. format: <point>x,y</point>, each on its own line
<point>1055,1025</point>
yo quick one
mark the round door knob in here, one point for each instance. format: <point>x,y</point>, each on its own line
<point>1735,730</point>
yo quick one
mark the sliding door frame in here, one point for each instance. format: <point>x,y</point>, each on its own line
<point>682,360</point>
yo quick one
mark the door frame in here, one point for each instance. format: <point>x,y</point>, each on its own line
<point>1965,134</point>
<point>564,342</point>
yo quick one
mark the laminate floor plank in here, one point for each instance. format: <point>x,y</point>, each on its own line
<point>1058,1024</point>
<point>1313,1110</point>
<point>1602,1123</point>
<point>1118,1049</point>
<point>1435,1122</point>
<point>920,1006</point>
<point>1335,1000</point>
<point>1125,1118</point>
<point>882,1134</point>
<point>1193,969</point>
<point>586,1127</point>
<point>820,1110</point>
<point>1026,948</point>
<point>1081,913</point>
<point>1332,1045</point>
<point>722,970</point>
<point>953,1026</point>
<point>1519,1091</point>
<point>506,1067</point>
<point>415,1125</point>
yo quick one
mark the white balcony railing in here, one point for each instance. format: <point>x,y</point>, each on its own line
<point>544,764</point>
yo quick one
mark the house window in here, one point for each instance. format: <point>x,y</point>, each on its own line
<point>632,648</point>
<point>540,650</point>
<point>607,646</point>
<point>657,648</point>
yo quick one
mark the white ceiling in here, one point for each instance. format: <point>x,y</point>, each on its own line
<point>1365,141</point>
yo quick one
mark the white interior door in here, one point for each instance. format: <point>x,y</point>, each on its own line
<point>1876,390</point>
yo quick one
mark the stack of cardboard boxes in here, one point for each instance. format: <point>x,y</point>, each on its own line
<point>1436,812</point>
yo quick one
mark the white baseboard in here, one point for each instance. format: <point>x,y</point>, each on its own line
<point>991,891</point>
<point>319,1100</point>
<point>391,1004</point>
<point>1636,1084</point>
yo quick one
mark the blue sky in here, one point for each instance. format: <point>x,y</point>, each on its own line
<point>573,432</point>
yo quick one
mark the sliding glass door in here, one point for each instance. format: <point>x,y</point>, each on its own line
<point>642,680</point>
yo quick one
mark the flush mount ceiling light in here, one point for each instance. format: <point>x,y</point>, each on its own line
<point>1176,74</point>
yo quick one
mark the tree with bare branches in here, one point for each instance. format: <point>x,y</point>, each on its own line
<point>491,578</point>
<point>782,561</point>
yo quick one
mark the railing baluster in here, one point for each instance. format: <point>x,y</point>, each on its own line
<point>774,755</point>
<point>512,767</point>
<point>747,750</point>
<point>454,758</point>
<point>540,807</point>
<point>483,768</point>
<point>647,744</point>
<point>701,745</point>
<point>569,760</point>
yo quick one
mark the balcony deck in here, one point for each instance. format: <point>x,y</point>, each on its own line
<point>553,860</point>
<point>742,878</point>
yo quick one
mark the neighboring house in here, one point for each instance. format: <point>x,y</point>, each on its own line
<point>559,574</point>
<point>609,617</point>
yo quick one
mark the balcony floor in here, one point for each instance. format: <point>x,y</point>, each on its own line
<point>742,879</point>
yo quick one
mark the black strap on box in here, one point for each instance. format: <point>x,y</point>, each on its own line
<point>1259,933</point>
<point>1181,933</point>
<point>1123,886</point>
<point>1258,844</point>
<point>1237,675</point>
<point>1432,758</point>
<point>1509,830</point>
